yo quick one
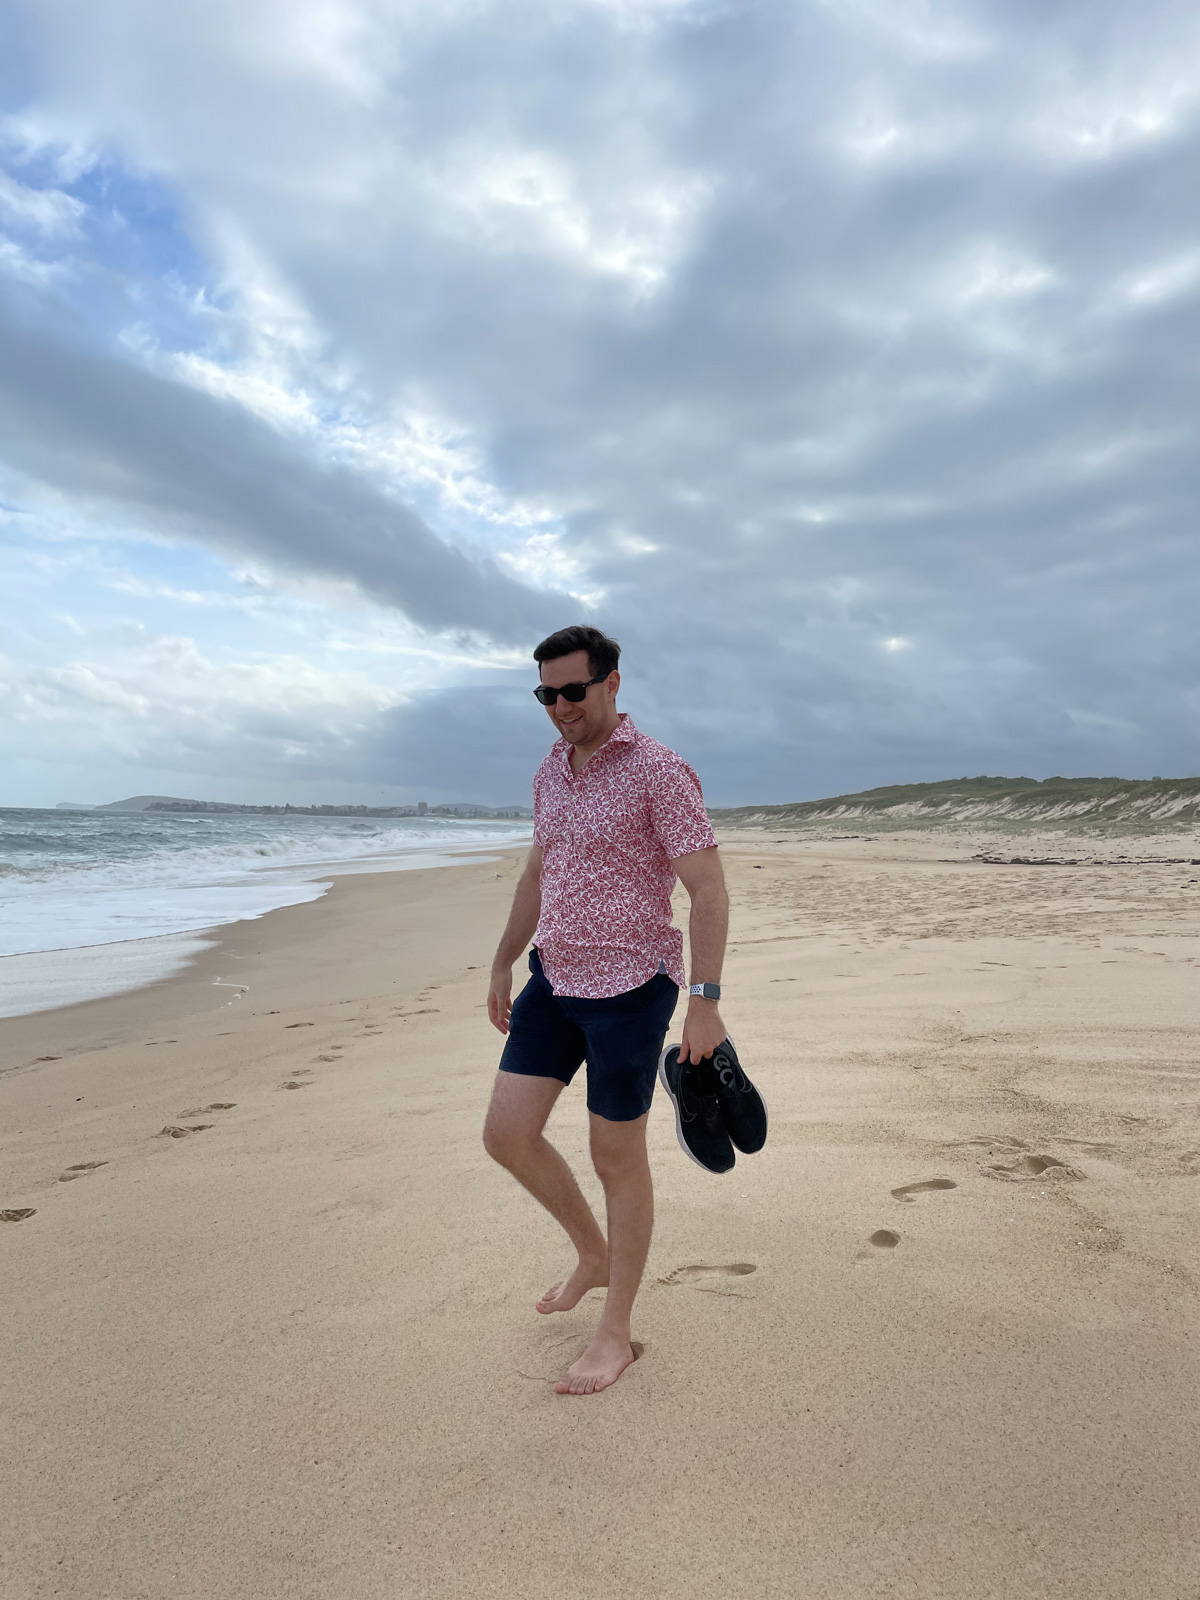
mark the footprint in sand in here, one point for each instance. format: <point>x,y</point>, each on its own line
<point>217,1105</point>
<point>881,1239</point>
<point>1189,1164</point>
<point>78,1171</point>
<point>710,1280</point>
<point>19,1214</point>
<point>909,1191</point>
<point>295,1083</point>
<point>171,1131</point>
<point>1033,1167</point>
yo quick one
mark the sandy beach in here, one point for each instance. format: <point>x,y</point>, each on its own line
<point>269,1330</point>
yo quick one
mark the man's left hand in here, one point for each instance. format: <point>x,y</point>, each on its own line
<point>703,1030</point>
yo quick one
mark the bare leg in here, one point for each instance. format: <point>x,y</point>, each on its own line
<point>513,1136</point>
<point>619,1153</point>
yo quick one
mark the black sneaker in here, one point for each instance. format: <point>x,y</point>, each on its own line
<point>698,1125</point>
<point>742,1108</point>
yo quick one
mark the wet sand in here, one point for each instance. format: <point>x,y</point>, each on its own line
<point>269,1331</point>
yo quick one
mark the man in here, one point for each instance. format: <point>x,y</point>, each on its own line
<point>617,817</point>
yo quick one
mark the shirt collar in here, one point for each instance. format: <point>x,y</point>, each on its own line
<point>623,733</point>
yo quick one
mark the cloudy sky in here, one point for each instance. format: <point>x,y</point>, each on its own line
<point>838,356</point>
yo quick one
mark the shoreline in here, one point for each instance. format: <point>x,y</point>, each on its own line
<point>270,1326</point>
<point>159,956</point>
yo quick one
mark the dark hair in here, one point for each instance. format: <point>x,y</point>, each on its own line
<point>603,652</point>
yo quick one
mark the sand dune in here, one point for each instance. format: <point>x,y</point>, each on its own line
<point>268,1308</point>
<point>1091,807</point>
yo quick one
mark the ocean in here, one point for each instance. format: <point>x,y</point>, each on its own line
<point>94,902</point>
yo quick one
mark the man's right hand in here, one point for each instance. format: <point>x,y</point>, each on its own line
<point>522,924</point>
<point>499,1001</point>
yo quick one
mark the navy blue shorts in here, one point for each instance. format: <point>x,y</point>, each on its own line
<point>621,1038</point>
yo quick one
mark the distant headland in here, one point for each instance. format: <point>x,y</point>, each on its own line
<point>171,803</point>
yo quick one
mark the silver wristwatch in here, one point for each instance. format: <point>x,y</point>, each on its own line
<point>707,991</point>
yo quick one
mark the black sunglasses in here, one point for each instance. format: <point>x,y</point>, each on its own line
<point>569,691</point>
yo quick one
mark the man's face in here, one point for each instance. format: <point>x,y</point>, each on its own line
<point>580,722</point>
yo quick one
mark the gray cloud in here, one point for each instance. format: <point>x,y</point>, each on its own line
<point>184,462</point>
<point>854,344</point>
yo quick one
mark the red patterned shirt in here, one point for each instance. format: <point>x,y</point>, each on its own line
<point>608,835</point>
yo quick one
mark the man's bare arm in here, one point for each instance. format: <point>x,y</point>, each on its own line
<point>522,924</point>
<point>702,876</point>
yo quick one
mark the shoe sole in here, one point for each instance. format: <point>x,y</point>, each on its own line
<point>683,1144</point>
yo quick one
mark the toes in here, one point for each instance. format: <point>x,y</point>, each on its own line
<point>581,1383</point>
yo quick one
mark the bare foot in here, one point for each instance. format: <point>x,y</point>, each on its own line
<point>587,1275</point>
<point>600,1365</point>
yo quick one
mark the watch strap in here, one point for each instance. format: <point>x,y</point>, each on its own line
<point>707,991</point>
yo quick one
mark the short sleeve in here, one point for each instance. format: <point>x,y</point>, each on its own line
<point>677,807</point>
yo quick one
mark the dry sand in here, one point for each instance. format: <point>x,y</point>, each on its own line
<point>293,1352</point>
